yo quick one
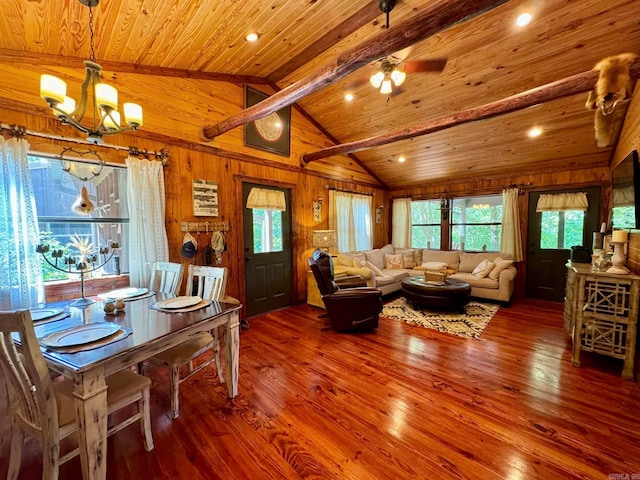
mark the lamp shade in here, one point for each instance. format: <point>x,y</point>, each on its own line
<point>324,238</point>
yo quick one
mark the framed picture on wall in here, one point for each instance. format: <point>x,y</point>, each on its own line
<point>271,133</point>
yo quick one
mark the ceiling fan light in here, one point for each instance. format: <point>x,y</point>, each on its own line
<point>398,76</point>
<point>52,89</point>
<point>376,79</point>
<point>385,88</point>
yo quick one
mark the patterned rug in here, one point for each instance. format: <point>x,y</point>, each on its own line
<point>469,324</point>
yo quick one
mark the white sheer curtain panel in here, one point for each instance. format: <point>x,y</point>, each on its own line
<point>147,234</point>
<point>511,240</point>
<point>401,223</point>
<point>350,216</point>
<point>21,282</point>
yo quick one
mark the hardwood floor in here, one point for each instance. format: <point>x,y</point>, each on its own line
<point>403,402</point>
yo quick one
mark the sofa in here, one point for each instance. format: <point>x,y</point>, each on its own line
<point>384,268</point>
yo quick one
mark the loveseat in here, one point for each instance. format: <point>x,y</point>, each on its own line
<point>384,268</point>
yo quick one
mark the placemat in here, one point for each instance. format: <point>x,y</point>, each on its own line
<point>55,318</point>
<point>124,332</point>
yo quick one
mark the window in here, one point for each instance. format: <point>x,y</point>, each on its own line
<point>56,191</point>
<point>351,219</point>
<point>561,230</point>
<point>267,230</point>
<point>476,223</point>
<point>425,224</point>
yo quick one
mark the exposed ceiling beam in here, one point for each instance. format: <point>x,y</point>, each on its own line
<point>579,83</point>
<point>326,133</point>
<point>363,16</point>
<point>36,59</point>
<point>438,16</point>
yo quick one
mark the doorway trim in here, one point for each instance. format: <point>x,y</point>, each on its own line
<point>239,180</point>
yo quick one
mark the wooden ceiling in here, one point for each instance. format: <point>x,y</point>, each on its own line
<point>489,58</point>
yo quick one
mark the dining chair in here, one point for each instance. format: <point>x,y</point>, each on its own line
<point>209,283</point>
<point>44,409</point>
<point>166,277</point>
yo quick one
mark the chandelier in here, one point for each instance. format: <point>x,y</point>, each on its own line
<point>104,102</point>
<point>388,73</point>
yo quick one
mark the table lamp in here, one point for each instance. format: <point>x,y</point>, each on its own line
<point>324,239</point>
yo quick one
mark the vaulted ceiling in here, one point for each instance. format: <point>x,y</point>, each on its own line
<point>489,58</point>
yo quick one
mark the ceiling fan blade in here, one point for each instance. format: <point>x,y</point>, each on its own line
<point>400,55</point>
<point>429,65</point>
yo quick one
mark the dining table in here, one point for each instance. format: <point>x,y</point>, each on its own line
<point>149,331</point>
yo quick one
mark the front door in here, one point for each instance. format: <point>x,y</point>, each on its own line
<point>267,254</point>
<point>551,236</point>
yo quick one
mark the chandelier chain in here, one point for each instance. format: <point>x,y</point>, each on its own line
<point>93,54</point>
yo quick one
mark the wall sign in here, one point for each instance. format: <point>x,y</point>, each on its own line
<point>205,198</point>
<point>271,133</point>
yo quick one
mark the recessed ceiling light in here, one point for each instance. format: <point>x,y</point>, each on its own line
<point>401,159</point>
<point>251,37</point>
<point>348,97</point>
<point>534,132</point>
<point>523,19</point>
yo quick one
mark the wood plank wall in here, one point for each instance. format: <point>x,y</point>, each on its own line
<point>186,164</point>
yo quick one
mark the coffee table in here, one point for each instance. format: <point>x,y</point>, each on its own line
<point>450,295</point>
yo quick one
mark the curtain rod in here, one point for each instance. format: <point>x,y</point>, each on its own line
<point>20,131</point>
<point>347,191</point>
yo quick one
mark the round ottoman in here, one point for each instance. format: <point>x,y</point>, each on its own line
<point>453,294</point>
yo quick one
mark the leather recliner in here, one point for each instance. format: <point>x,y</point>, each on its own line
<point>350,304</point>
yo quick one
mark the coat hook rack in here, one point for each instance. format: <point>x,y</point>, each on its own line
<point>204,226</point>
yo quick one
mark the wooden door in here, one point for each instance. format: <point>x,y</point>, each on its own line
<point>267,254</point>
<point>549,236</point>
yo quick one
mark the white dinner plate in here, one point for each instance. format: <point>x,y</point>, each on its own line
<point>126,292</point>
<point>178,302</point>
<point>42,313</point>
<point>80,335</point>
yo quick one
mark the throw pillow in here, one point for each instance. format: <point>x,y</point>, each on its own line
<point>436,266</point>
<point>483,269</point>
<point>393,261</point>
<point>408,260</point>
<point>376,257</point>
<point>500,266</point>
<point>358,263</point>
<point>375,269</point>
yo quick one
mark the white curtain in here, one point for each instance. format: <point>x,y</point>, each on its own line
<point>147,234</point>
<point>21,282</point>
<point>350,216</point>
<point>401,223</point>
<point>559,202</point>
<point>266,199</point>
<point>511,240</point>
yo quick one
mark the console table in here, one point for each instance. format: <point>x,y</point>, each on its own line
<point>601,314</point>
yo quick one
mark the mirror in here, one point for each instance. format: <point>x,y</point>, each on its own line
<point>626,193</point>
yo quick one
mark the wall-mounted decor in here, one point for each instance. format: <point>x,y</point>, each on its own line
<point>271,133</point>
<point>317,210</point>
<point>205,198</point>
<point>379,211</point>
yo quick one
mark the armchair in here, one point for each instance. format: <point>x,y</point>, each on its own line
<point>351,305</point>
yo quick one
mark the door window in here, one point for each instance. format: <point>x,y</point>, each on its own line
<point>267,230</point>
<point>561,230</point>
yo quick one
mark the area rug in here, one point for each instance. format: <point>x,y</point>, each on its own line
<point>469,324</point>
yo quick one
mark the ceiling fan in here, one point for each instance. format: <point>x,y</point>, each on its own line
<point>393,69</point>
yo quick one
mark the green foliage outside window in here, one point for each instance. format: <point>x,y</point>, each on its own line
<point>50,273</point>
<point>561,230</point>
<point>267,231</point>
<point>425,220</point>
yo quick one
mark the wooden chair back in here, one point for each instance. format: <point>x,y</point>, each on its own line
<point>29,383</point>
<point>207,282</point>
<point>166,277</point>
